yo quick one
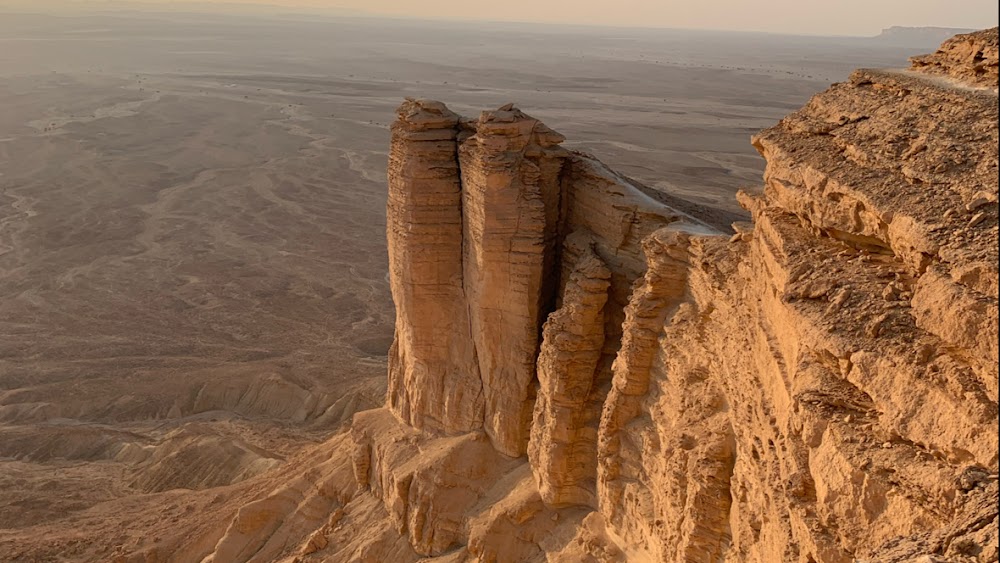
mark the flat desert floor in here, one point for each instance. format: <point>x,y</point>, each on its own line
<point>192,257</point>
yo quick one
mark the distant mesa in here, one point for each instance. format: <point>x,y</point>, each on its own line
<point>927,37</point>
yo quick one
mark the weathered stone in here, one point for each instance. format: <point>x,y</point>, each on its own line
<point>511,209</point>
<point>433,374</point>
<point>821,388</point>
<point>970,57</point>
<point>562,445</point>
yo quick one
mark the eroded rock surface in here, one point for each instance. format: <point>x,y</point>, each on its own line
<point>573,340</point>
<point>819,387</point>
<point>434,378</point>
<point>969,57</point>
<point>510,174</point>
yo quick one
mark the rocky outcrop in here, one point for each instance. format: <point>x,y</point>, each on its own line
<point>492,226</point>
<point>434,378</point>
<point>426,486</point>
<point>510,171</point>
<point>583,374</point>
<point>969,57</point>
<point>665,486</point>
<point>478,215</point>
<point>573,341</point>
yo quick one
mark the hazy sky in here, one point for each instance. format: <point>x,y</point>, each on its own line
<point>824,17</point>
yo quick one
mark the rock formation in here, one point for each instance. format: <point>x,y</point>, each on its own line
<point>510,175</point>
<point>583,374</point>
<point>433,373</point>
<point>573,340</point>
<point>969,57</point>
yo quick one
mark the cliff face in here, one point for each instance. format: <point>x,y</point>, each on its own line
<point>433,373</point>
<point>485,218</point>
<point>583,374</point>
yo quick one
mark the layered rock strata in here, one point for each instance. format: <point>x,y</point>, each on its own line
<point>969,57</point>
<point>583,374</point>
<point>511,185</point>
<point>478,214</point>
<point>434,378</point>
<point>573,340</point>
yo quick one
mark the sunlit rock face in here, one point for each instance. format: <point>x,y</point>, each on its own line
<point>583,374</point>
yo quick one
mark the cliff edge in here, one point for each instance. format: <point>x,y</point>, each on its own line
<point>580,373</point>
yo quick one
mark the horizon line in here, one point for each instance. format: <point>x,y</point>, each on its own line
<point>254,9</point>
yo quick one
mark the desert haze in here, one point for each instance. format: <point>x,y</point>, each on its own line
<point>197,296</point>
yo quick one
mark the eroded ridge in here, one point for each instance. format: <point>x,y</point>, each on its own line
<point>583,374</point>
<point>970,58</point>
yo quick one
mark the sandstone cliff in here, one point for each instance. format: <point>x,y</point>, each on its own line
<point>583,374</point>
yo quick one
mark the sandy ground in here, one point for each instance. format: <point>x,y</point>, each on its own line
<point>192,257</point>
